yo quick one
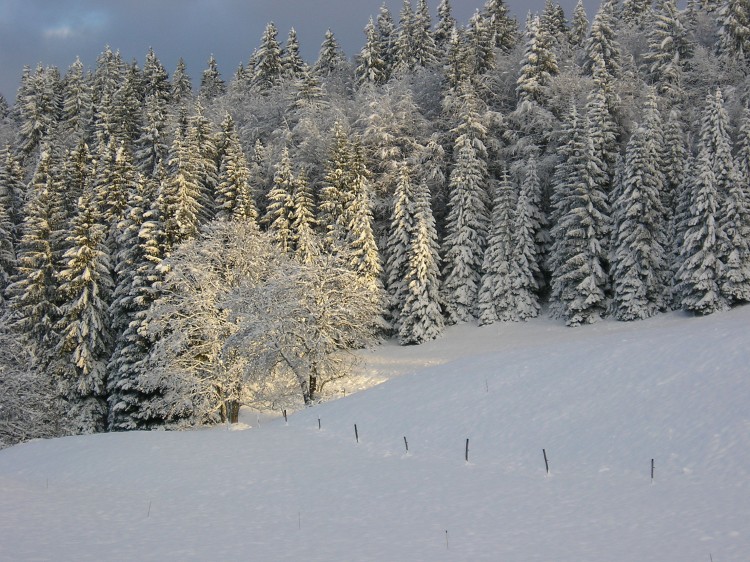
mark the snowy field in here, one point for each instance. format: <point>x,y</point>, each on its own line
<point>602,401</point>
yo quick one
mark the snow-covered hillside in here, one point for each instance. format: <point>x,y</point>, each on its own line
<point>602,401</point>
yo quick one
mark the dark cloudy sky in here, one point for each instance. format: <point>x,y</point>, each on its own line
<point>54,32</point>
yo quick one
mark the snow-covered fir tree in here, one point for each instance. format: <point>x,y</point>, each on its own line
<point>33,292</point>
<point>528,235</point>
<point>85,288</point>
<point>539,64</point>
<point>467,223</point>
<point>639,262</point>
<point>494,299</point>
<point>578,257</point>
<point>268,63</point>
<point>420,317</point>
<point>212,84</point>
<point>700,272</point>
<point>280,210</point>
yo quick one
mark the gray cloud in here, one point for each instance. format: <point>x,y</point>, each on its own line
<point>56,32</point>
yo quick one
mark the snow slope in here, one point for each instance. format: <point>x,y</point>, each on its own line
<point>602,401</point>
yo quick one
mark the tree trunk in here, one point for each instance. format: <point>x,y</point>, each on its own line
<point>313,386</point>
<point>233,411</point>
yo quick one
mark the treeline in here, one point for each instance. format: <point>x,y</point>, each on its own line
<point>458,172</point>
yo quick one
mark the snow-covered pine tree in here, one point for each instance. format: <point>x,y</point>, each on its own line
<point>386,29</point>
<point>12,188</point>
<point>181,194</point>
<point>182,86</point>
<point>38,103</point>
<point>280,209</point>
<point>7,249</point>
<point>668,49</point>
<point>304,238</point>
<point>364,257</point>
<point>337,192</point>
<point>579,26</point>
<point>539,64</point>
<point>404,45</point>
<point>151,146</point>
<point>467,221</point>
<point>85,288</point>
<point>212,85</point>
<point>397,247</point>
<point>425,49</point>
<point>331,58</point>
<point>503,25</point>
<point>155,78</point>
<point>639,266</point>
<point>494,299</point>
<point>582,222</point>
<point>108,75</point>
<point>478,47</point>
<point>700,272</point>
<point>33,292</point>
<point>234,197</point>
<point>137,286</point>
<point>636,12</point>
<point>292,64</point>
<point>603,53</point>
<point>734,31</point>
<point>127,108</point>
<point>77,108</point>
<point>201,139</point>
<point>371,67</point>
<point>446,23</point>
<point>268,63</point>
<point>420,316</point>
<point>527,231</point>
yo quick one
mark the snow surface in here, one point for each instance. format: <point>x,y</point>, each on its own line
<point>603,400</point>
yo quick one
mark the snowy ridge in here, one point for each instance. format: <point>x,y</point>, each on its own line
<point>603,400</point>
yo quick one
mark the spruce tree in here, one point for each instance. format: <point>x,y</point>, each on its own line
<point>420,316</point>
<point>700,272</point>
<point>85,287</point>
<point>279,213</point>
<point>525,273</point>
<point>77,108</point>
<point>538,67</point>
<point>234,198</point>
<point>268,62</point>
<point>579,26</point>
<point>33,291</point>
<point>306,243</point>
<point>12,189</point>
<point>364,254</point>
<point>155,78</point>
<point>667,50</point>
<point>386,29</point>
<point>212,85</point>
<point>292,64</point>
<point>639,268</point>
<point>371,67</point>
<point>495,296</point>
<point>578,255</point>
<point>444,28</point>
<point>734,31</point>
<point>182,86</point>
<point>397,247</point>
<point>404,46</point>
<point>330,58</point>
<point>466,230</point>
<point>425,49</point>
<point>504,27</point>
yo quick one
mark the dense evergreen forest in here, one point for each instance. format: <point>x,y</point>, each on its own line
<point>167,254</point>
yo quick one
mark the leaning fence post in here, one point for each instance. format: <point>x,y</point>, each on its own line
<point>546,462</point>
